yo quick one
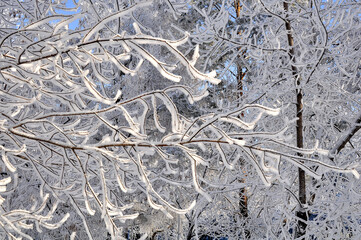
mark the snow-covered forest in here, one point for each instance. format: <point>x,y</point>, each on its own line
<point>180,119</point>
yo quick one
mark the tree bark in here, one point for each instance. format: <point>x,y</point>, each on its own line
<point>190,232</point>
<point>243,200</point>
<point>341,143</point>
<point>301,213</point>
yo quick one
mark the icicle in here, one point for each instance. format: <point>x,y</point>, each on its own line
<point>136,28</point>
<point>152,203</point>
<point>355,173</point>
<point>7,162</point>
<point>181,41</point>
<point>196,184</point>
<point>201,96</point>
<point>223,156</point>
<point>155,115</point>
<point>173,111</point>
<point>134,72</point>
<point>120,183</point>
<point>87,204</point>
<point>5,181</point>
<point>195,56</point>
<point>1,200</point>
<point>88,208</point>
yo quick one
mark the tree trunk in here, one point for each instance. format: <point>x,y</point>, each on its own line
<point>243,200</point>
<point>190,232</point>
<point>301,213</point>
<point>154,235</point>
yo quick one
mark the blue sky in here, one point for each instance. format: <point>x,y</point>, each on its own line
<point>70,4</point>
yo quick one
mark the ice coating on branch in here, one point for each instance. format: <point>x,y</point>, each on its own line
<point>114,16</point>
<point>155,63</point>
<point>238,122</point>
<point>43,21</point>
<point>173,112</point>
<point>134,126</point>
<point>198,159</point>
<point>66,22</point>
<point>121,66</point>
<point>223,156</point>
<point>207,77</point>
<point>97,138</point>
<point>55,225</point>
<point>239,142</point>
<point>6,159</point>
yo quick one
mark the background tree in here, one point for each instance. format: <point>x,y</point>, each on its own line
<point>292,40</point>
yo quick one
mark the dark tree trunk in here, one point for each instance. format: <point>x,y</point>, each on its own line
<point>190,232</point>
<point>301,213</point>
<point>243,200</point>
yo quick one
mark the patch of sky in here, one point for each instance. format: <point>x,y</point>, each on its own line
<point>70,9</point>
<point>22,23</point>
